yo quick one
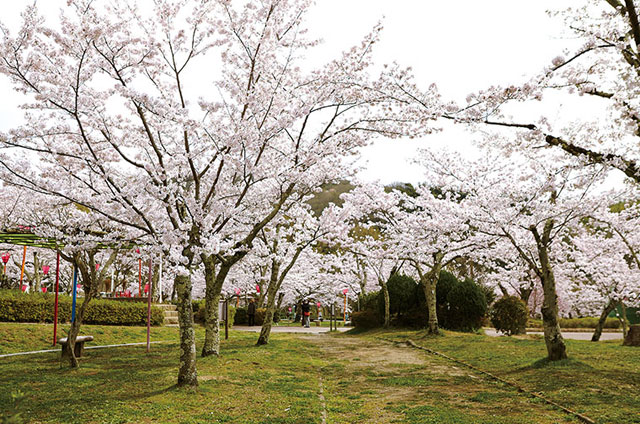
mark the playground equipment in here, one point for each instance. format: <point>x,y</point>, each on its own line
<point>25,237</point>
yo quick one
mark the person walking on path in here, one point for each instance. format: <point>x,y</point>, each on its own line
<point>251,313</point>
<point>306,313</point>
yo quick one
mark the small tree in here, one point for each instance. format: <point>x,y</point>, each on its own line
<point>509,315</point>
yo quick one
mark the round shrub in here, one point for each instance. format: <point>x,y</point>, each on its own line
<point>509,315</point>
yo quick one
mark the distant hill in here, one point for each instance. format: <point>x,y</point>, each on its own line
<point>330,194</point>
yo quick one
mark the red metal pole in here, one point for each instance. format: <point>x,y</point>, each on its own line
<point>55,308</point>
<point>149,311</point>
<point>140,277</point>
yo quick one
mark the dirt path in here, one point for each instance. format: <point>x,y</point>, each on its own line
<point>372,381</point>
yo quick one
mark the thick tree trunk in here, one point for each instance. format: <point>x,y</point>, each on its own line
<point>429,288</point>
<point>272,290</point>
<point>429,282</point>
<point>155,294</point>
<point>214,283</point>
<point>187,373</point>
<point>387,301</point>
<point>603,318</point>
<point>556,348</point>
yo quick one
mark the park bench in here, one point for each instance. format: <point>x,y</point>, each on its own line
<point>79,347</point>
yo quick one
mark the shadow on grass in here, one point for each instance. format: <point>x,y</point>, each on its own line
<point>545,363</point>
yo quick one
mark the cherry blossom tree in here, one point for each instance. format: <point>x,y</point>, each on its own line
<point>532,203</point>
<point>124,125</point>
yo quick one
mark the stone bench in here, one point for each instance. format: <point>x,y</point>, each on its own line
<point>79,347</point>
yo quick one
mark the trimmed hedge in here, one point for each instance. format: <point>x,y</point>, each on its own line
<point>39,307</point>
<point>587,322</point>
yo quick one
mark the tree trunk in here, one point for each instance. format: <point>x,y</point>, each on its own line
<point>272,290</point>
<point>68,350</point>
<point>429,288</point>
<point>187,374</point>
<point>262,294</point>
<point>387,301</point>
<point>155,294</point>
<point>214,282</point>
<point>429,282</point>
<point>603,318</point>
<point>556,348</point>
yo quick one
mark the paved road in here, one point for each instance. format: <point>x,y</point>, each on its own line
<point>566,334</point>
<point>292,329</point>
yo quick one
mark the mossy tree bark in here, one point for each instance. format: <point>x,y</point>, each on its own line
<point>429,281</point>
<point>272,289</point>
<point>187,373</point>
<point>556,348</point>
<point>214,278</point>
<point>387,301</point>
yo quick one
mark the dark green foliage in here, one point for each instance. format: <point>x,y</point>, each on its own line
<point>446,282</point>
<point>241,317</point>
<point>415,318</point>
<point>465,307</point>
<point>367,318</point>
<point>461,305</point>
<point>372,301</point>
<point>489,294</point>
<point>405,294</point>
<point>39,307</point>
<point>633,314</point>
<point>509,315</point>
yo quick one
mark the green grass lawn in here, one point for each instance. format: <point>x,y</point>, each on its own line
<point>21,337</point>
<point>601,380</point>
<point>362,379</point>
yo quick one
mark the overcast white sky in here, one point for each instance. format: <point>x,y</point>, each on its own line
<point>462,46</point>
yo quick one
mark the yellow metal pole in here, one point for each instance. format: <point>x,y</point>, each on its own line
<point>24,258</point>
<point>344,318</point>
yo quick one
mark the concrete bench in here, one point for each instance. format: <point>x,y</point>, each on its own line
<point>79,347</point>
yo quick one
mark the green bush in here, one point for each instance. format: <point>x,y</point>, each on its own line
<point>415,318</point>
<point>405,294</point>
<point>509,315</point>
<point>461,305</point>
<point>241,317</point>
<point>39,307</point>
<point>366,319</point>
<point>466,307</point>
